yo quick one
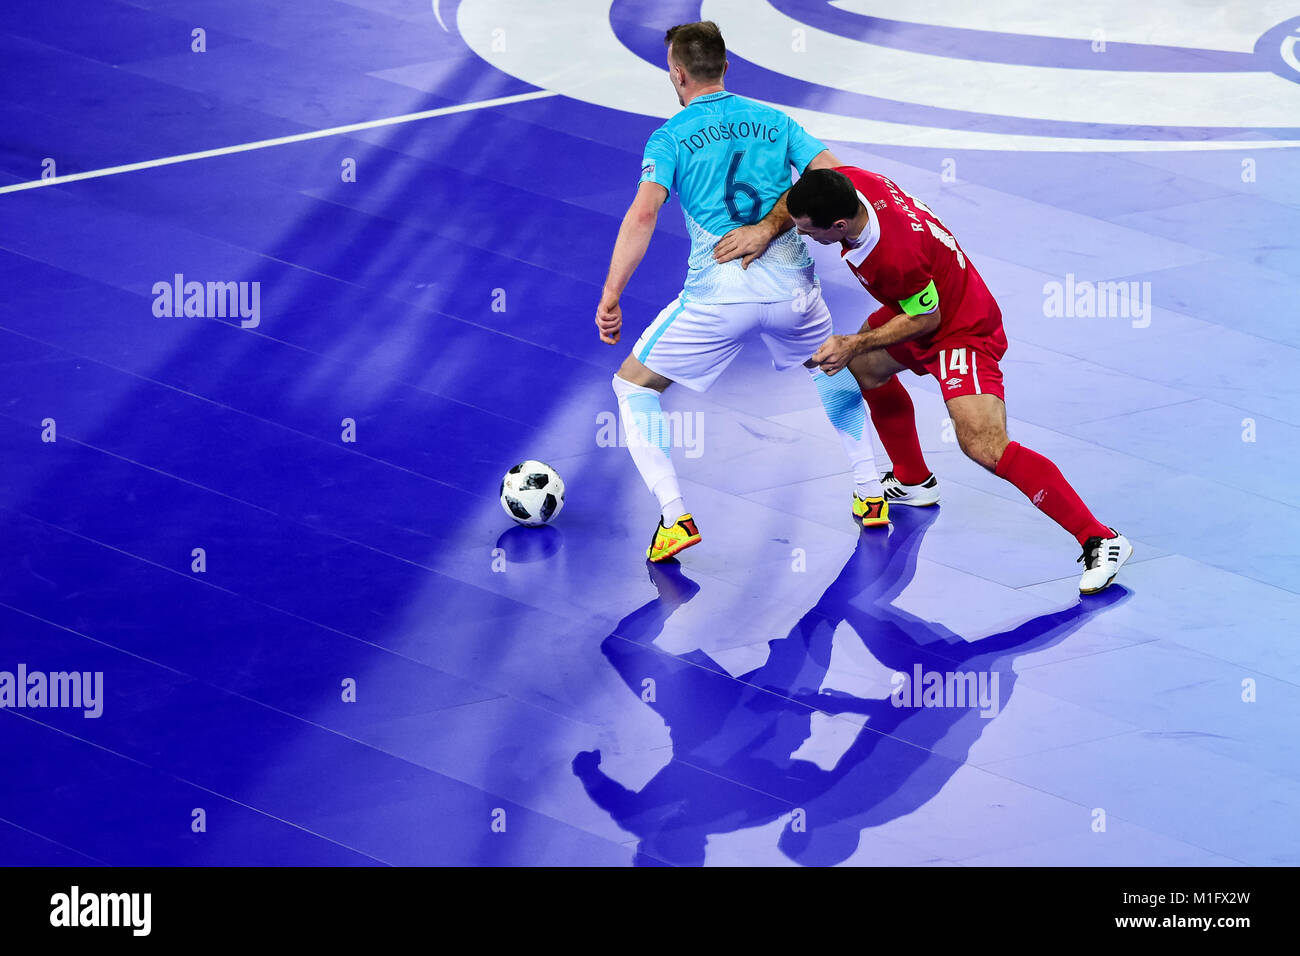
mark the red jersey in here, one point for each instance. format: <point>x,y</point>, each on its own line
<point>910,262</point>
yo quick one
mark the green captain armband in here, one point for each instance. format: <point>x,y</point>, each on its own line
<point>927,300</point>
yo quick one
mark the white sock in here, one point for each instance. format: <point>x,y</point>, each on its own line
<point>671,512</point>
<point>650,444</point>
<point>847,411</point>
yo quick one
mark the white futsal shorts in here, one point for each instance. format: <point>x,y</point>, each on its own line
<point>691,343</point>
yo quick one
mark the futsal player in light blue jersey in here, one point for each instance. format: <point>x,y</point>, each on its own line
<point>728,159</point>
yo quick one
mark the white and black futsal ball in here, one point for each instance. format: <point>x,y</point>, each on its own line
<point>532,493</point>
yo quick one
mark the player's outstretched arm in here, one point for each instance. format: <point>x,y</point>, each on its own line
<point>837,351</point>
<point>629,249</point>
<point>824,160</point>
<point>748,242</point>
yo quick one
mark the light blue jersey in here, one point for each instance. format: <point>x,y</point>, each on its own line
<point>728,159</point>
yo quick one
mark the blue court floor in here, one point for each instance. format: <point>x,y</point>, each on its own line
<point>276,534</point>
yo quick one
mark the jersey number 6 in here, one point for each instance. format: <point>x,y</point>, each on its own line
<point>734,187</point>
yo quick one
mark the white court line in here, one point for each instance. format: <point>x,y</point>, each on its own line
<point>278,141</point>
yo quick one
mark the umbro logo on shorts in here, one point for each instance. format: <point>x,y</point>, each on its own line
<point>952,382</point>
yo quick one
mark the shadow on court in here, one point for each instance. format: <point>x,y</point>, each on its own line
<point>733,738</point>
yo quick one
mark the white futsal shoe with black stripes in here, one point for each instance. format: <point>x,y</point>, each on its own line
<point>918,496</point>
<point>1102,558</point>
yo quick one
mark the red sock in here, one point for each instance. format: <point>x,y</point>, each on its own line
<point>1043,484</point>
<point>895,420</point>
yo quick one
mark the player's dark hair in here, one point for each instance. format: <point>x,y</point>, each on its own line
<point>824,196</point>
<point>698,47</point>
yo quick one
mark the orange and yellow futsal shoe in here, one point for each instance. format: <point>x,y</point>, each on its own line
<point>669,541</point>
<point>872,512</point>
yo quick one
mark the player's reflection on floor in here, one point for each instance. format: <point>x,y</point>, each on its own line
<point>745,730</point>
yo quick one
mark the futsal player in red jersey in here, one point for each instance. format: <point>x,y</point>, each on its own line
<point>937,317</point>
